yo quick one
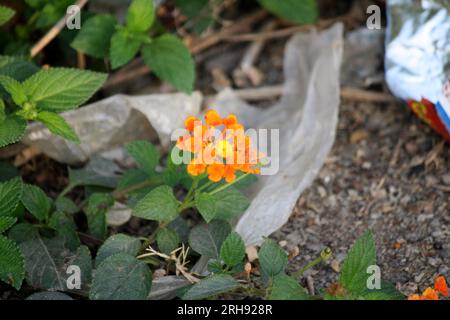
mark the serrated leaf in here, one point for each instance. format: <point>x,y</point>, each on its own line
<point>224,205</point>
<point>207,239</point>
<point>167,240</point>
<point>285,287</point>
<point>118,243</point>
<point>132,177</point>
<point>6,14</point>
<point>66,205</point>
<point>7,171</point>
<point>141,15</point>
<point>98,172</point>
<point>95,35</point>
<point>48,295</point>
<point>47,262</point>
<point>12,270</point>
<point>22,232</point>
<point>14,88</point>
<point>272,258</point>
<point>59,89</point>
<point>145,154</point>
<point>206,205</point>
<point>6,222</point>
<point>386,292</point>
<point>123,48</point>
<point>58,125</point>
<point>354,270</point>
<point>159,204</point>
<point>98,205</point>
<point>12,130</point>
<point>66,228</point>
<point>17,69</point>
<point>10,194</point>
<point>36,202</point>
<point>170,60</point>
<point>121,277</point>
<point>211,286</point>
<point>296,11</point>
<point>232,250</point>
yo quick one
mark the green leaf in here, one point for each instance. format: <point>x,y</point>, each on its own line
<point>6,222</point>
<point>123,48</point>
<point>7,171</point>
<point>36,202</point>
<point>285,287</point>
<point>98,172</point>
<point>47,262</point>
<point>207,239</point>
<point>223,205</point>
<point>171,61</point>
<point>98,205</point>
<point>17,69</point>
<point>191,8</point>
<point>145,154</point>
<point>14,88</point>
<point>10,194</point>
<point>22,232</point>
<point>66,228</point>
<point>95,36</point>
<point>167,240</point>
<point>48,295</point>
<point>296,11</point>
<point>206,205</point>
<point>12,130</point>
<point>232,250</point>
<point>12,269</point>
<point>121,277</point>
<point>118,243</point>
<point>6,14</point>
<point>66,205</point>
<point>386,292</point>
<point>141,15</point>
<point>272,258</point>
<point>59,89</point>
<point>159,204</point>
<point>58,125</point>
<point>354,270</point>
<point>211,286</point>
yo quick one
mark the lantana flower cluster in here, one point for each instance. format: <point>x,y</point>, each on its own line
<point>219,147</point>
<point>440,287</point>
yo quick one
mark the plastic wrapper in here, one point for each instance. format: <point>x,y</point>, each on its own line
<point>418,58</point>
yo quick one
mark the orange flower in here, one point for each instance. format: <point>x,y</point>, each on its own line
<point>430,294</point>
<point>220,154</point>
<point>415,297</point>
<point>195,168</point>
<point>441,286</point>
<point>191,122</point>
<point>212,118</point>
<point>216,171</point>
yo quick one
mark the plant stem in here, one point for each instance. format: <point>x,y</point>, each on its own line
<point>229,184</point>
<point>67,189</point>
<point>324,255</point>
<point>154,181</point>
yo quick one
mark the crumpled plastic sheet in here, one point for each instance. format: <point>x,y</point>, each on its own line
<point>115,121</point>
<point>418,48</point>
<point>307,118</point>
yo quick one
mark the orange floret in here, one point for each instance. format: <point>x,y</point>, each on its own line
<point>441,286</point>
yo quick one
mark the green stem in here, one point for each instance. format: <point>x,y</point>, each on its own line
<point>324,255</point>
<point>154,181</point>
<point>229,184</point>
<point>67,189</point>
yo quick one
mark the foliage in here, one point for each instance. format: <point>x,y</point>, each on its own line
<point>103,37</point>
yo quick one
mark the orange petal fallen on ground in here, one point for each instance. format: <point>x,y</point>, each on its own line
<point>441,286</point>
<point>430,294</point>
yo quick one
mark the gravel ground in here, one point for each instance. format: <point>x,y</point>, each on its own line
<point>389,172</point>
